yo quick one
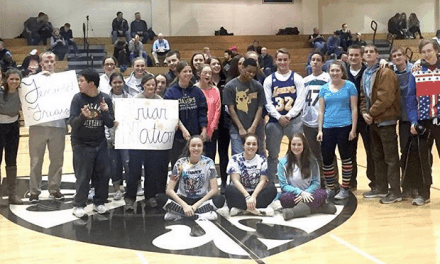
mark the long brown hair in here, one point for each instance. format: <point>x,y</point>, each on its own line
<point>304,162</point>
<point>5,83</point>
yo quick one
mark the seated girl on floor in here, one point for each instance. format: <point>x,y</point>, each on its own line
<point>197,190</point>
<point>250,191</point>
<point>299,177</point>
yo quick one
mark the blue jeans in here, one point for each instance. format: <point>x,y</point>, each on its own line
<point>91,163</point>
<point>237,141</point>
<point>274,135</point>
<point>115,35</point>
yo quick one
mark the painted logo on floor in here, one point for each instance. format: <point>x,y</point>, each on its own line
<point>245,237</point>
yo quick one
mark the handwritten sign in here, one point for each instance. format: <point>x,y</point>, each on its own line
<point>47,98</point>
<point>145,123</point>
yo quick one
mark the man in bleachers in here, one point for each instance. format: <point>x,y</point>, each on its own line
<point>160,49</point>
<point>266,61</point>
<point>120,28</point>
<point>67,35</point>
<point>31,27</point>
<point>317,41</point>
<point>139,27</point>
<point>6,61</point>
<point>172,58</point>
<point>226,63</point>
<point>50,134</point>
<point>334,44</point>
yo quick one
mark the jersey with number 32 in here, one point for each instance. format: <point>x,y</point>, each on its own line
<point>283,95</point>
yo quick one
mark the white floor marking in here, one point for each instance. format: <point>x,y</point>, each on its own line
<point>356,249</point>
<point>142,258</point>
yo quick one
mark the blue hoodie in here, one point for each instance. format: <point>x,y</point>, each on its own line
<point>192,107</point>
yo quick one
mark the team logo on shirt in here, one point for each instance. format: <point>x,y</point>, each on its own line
<point>237,237</point>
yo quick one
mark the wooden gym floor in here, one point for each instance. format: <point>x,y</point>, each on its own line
<point>375,233</point>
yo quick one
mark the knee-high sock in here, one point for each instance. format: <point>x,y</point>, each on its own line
<point>329,175</point>
<point>347,172</point>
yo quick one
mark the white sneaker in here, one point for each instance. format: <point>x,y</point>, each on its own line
<point>207,216</point>
<point>91,194</point>
<point>100,209</point>
<point>140,190</point>
<point>78,212</point>
<point>169,216</point>
<point>266,211</point>
<point>235,211</point>
<point>276,205</point>
<point>118,195</point>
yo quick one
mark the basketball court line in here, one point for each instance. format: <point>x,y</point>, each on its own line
<point>356,249</point>
<point>141,258</point>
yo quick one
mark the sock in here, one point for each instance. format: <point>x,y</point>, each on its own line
<point>329,175</point>
<point>347,171</point>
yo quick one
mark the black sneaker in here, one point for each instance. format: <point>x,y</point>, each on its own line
<point>33,198</point>
<point>375,193</point>
<point>391,198</point>
<point>56,195</point>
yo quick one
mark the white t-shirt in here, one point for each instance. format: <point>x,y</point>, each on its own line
<point>249,170</point>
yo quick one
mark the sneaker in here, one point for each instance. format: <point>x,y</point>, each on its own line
<point>129,204</point>
<point>152,202</point>
<point>391,198</point>
<point>100,209</point>
<point>56,195</point>
<point>140,190</point>
<point>276,205</point>
<point>235,211</point>
<point>330,193</point>
<point>375,193</point>
<point>33,198</point>
<point>170,216</point>
<point>406,194</point>
<point>118,195</point>
<point>419,200</point>
<point>207,216</point>
<point>91,194</point>
<point>266,211</point>
<point>78,212</point>
<point>342,194</point>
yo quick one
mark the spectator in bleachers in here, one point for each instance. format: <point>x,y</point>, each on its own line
<point>31,29</point>
<point>172,58</point>
<point>197,60</point>
<point>46,29</point>
<point>121,53</point>
<point>437,36</point>
<point>139,27</point>
<point>120,28</point>
<point>162,84</point>
<point>136,49</point>
<point>6,61</point>
<point>160,49</point>
<point>403,25</point>
<point>393,26</point>
<point>317,41</point>
<point>358,41</point>
<point>67,35</point>
<point>334,44</point>
<point>207,53</point>
<point>58,44</point>
<point>255,46</point>
<point>345,36</point>
<point>414,25</point>
<point>109,65</point>
<point>226,63</point>
<point>266,61</point>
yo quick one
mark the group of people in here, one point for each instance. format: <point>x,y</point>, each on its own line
<point>226,103</point>
<point>403,27</point>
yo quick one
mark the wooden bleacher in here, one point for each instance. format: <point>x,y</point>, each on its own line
<point>188,45</point>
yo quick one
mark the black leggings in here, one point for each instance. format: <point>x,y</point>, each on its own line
<point>235,198</point>
<point>217,200</point>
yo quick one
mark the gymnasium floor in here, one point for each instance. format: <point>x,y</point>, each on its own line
<point>362,231</point>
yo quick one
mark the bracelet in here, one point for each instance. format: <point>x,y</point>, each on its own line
<point>247,197</point>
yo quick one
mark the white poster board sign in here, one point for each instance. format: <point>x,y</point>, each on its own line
<point>47,98</point>
<point>145,123</point>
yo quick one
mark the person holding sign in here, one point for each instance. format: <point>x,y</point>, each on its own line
<point>118,157</point>
<point>155,161</point>
<point>195,177</point>
<point>90,111</point>
<point>192,109</point>
<point>51,134</point>
<point>10,129</point>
